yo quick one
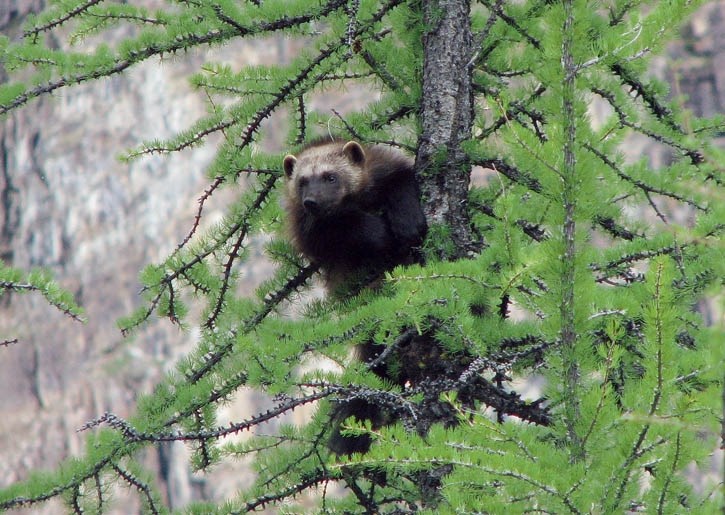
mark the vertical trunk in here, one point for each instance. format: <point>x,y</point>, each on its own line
<point>443,169</point>
<point>446,118</point>
<point>568,322</point>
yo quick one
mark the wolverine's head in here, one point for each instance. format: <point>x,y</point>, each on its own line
<point>323,175</point>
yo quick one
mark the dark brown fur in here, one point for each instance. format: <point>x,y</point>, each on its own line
<point>353,209</point>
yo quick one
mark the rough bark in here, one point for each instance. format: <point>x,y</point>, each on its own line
<point>446,117</point>
<point>444,171</point>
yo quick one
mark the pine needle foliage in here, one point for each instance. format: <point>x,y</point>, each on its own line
<point>16,281</point>
<point>580,278</point>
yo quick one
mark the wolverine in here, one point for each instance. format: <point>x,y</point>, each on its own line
<point>355,211</point>
<point>353,208</point>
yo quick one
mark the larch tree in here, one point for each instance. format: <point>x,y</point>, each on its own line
<point>560,261</point>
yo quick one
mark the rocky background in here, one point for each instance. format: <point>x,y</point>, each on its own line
<point>69,205</point>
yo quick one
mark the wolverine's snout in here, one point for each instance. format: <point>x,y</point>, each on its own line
<point>311,206</point>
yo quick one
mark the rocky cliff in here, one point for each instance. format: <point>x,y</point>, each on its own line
<point>69,205</point>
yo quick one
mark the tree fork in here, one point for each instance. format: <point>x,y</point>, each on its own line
<point>444,170</point>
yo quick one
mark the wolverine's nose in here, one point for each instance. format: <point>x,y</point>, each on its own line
<point>311,205</point>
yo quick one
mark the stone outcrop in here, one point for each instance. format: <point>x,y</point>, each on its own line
<point>68,204</point>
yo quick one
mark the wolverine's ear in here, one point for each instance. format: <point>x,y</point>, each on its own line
<point>354,152</point>
<point>289,165</point>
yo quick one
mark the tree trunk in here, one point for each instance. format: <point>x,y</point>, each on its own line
<point>446,117</point>
<point>444,172</point>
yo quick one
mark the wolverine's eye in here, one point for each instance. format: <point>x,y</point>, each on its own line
<point>329,177</point>
<point>302,182</point>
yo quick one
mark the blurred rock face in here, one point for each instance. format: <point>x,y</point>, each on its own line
<point>68,204</point>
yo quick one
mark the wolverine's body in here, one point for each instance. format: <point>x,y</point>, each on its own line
<point>355,211</point>
<point>353,208</point>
